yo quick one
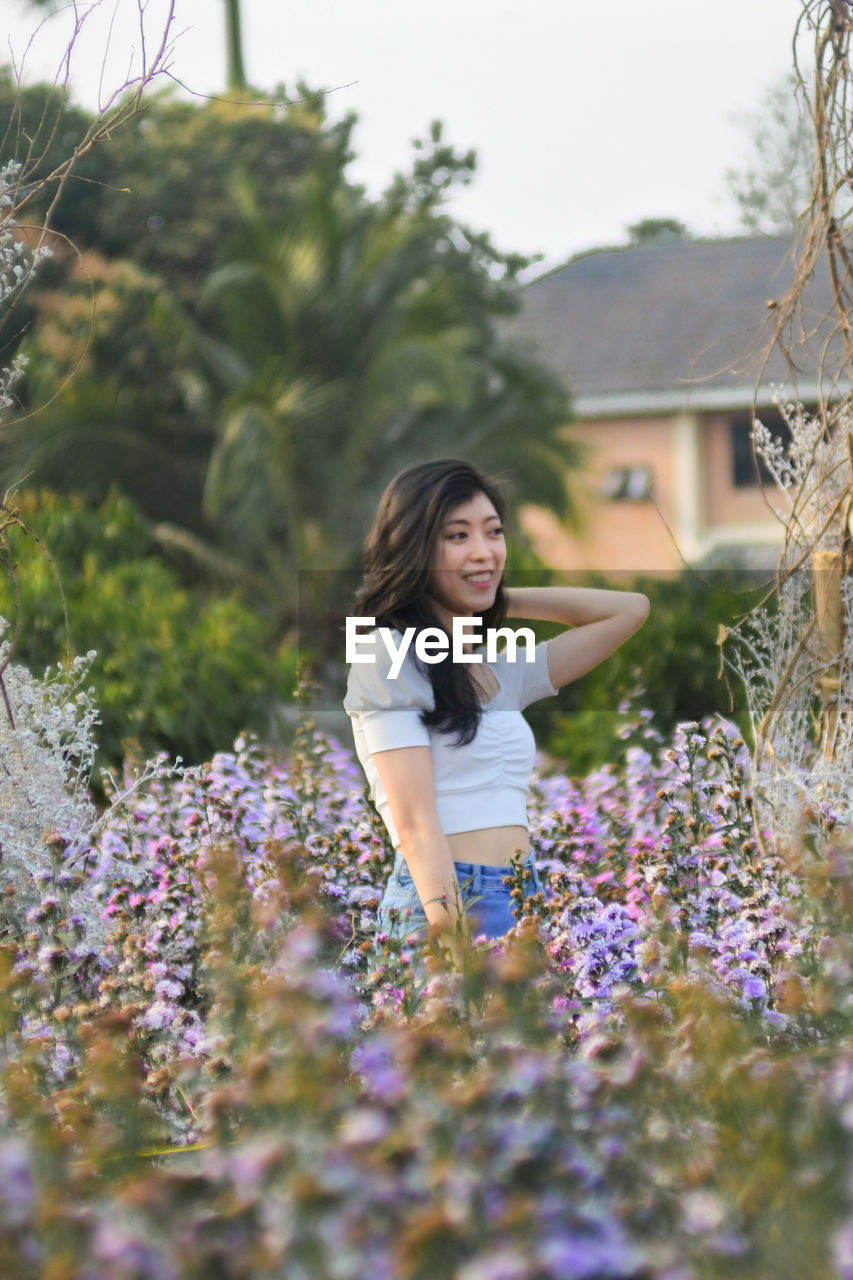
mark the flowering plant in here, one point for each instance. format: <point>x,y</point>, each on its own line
<point>648,1076</point>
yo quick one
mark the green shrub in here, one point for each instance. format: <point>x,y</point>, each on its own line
<point>672,666</point>
<point>176,671</point>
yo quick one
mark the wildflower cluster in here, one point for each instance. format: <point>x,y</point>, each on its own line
<point>46,815</point>
<point>649,1076</point>
<point>655,869</point>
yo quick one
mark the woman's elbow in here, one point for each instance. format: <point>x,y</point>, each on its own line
<point>414,828</point>
<point>638,608</point>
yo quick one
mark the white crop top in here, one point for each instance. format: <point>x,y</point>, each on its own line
<point>482,784</point>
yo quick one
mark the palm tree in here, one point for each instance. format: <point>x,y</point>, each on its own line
<point>346,341</point>
<point>237,81</point>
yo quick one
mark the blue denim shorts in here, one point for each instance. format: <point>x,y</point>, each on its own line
<point>486,898</point>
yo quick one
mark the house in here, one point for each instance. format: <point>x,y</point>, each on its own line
<point>661,345</point>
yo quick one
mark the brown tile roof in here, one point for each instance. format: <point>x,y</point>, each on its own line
<point>666,321</point>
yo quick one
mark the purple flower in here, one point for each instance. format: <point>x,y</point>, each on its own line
<point>582,1257</point>
<point>373,1061</point>
<point>17,1189</point>
<point>159,1015</point>
<point>842,1251</point>
<point>125,1247</point>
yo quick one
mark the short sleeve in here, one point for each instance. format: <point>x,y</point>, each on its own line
<point>388,708</point>
<point>535,683</point>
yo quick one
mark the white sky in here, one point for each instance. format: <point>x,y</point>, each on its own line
<point>586,116</point>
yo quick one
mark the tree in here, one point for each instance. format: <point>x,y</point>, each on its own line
<point>772,189</point>
<point>157,192</point>
<point>657,230</point>
<point>113,388</point>
<point>42,129</point>
<point>348,340</point>
<point>115,391</point>
<point>237,81</point>
<point>335,340</point>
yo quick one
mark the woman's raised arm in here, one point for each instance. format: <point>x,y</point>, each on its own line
<point>600,620</point>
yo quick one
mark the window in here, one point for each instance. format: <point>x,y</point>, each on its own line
<point>627,484</point>
<point>748,470</point>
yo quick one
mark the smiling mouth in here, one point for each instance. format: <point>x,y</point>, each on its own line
<point>478,579</point>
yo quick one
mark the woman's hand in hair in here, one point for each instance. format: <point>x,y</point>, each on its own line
<point>601,621</point>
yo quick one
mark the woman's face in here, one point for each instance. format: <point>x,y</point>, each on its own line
<point>469,558</point>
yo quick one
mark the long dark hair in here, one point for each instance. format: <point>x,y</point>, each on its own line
<point>398,556</point>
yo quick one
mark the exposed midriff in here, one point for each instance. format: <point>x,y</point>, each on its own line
<point>490,846</point>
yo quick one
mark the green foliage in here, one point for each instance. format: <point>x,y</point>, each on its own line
<point>157,190</point>
<point>672,666</point>
<point>40,130</point>
<point>655,230</point>
<point>175,672</point>
<point>348,340</point>
<point>171,209</point>
<point>269,346</point>
<point>130,410</point>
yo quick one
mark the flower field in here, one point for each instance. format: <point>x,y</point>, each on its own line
<point>214,1065</point>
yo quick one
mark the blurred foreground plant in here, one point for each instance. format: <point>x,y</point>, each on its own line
<point>677,1139</point>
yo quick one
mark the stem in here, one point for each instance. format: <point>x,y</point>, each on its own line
<point>8,705</point>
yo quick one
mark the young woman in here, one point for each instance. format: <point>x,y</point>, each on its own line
<point>445,748</point>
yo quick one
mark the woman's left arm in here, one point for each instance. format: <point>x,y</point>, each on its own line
<point>600,622</point>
